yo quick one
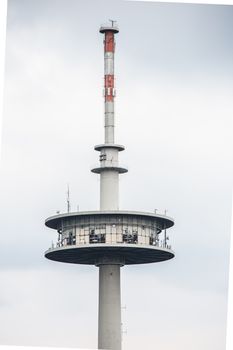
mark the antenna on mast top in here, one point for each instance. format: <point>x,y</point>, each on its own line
<point>112,21</point>
<point>68,198</point>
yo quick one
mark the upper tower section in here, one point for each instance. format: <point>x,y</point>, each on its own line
<point>109,168</point>
<point>110,233</point>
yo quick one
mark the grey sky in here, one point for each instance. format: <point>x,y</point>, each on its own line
<point>174,115</point>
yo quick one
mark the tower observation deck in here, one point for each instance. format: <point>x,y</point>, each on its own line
<point>110,238</point>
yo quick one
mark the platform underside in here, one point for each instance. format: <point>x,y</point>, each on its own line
<point>90,254</point>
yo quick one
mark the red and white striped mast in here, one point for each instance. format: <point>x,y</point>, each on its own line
<point>109,89</point>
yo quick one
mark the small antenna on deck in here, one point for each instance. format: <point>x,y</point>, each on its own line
<point>165,232</point>
<point>68,198</point>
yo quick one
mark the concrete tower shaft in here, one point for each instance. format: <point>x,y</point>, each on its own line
<point>109,330</point>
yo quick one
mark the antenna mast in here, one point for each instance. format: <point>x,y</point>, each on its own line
<point>68,199</point>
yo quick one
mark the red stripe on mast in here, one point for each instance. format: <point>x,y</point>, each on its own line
<point>109,45</point>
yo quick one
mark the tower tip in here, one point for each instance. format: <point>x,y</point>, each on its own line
<point>109,27</point>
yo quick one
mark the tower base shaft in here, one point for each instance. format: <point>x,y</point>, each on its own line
<point>109,332</point>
